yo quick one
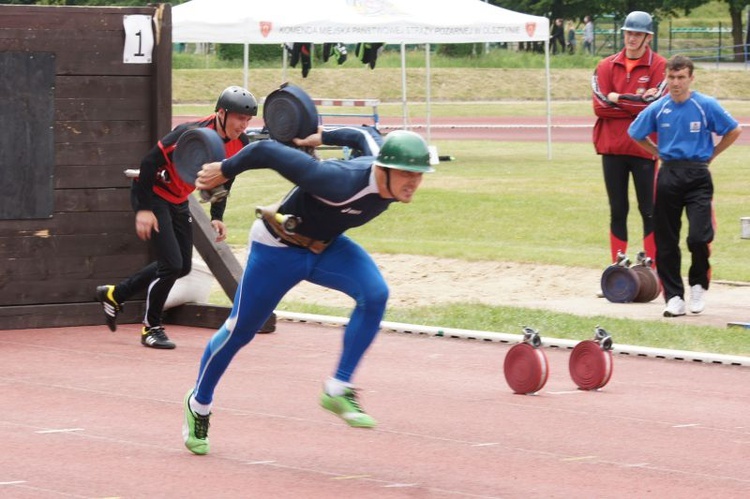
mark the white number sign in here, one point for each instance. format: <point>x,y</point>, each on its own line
<point>139,39</point>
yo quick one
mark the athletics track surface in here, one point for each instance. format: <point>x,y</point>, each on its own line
<point>89,413</point>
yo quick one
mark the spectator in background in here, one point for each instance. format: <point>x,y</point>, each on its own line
<point>571,37</point>
<point>588,35</point>
<point>557,36</point>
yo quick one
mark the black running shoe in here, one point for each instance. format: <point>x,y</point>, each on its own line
<point>155,337</point>
<point>105,296</point>
<point>269,326</point>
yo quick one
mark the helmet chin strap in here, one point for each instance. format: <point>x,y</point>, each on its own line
<point>387,172</point>
<point>222,123</point>
<point>643,42</point>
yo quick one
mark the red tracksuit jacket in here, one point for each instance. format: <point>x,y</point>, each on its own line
<point>613,120</point>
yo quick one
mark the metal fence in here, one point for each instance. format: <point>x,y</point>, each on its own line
<point>700,43</point>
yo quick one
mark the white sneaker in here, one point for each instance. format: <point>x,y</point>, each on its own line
<point>697,303</point>
<point>675,307</point>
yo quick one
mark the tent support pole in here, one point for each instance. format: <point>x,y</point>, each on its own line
<point>549,100</point>
<point>428,85</point>
<point>246,57</point>
<point>403,86</point>
<point>284,60</point>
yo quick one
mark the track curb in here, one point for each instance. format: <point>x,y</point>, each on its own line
<point>442,332</point>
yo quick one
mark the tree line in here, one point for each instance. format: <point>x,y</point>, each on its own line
<point>661,10</point>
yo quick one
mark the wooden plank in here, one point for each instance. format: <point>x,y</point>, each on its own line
<point>101,132</point>
<point>102,98</point>
<point>53,267</point>
<point>77,52</point>
<point>92,154</point>
<point>218,256</point>
<point>108,176</point>
<point>102,109</point>
<point>63,18</point>
<point>66,315</point>
<point>75,200</point>
<point>58,290</point>
<point>89,245</point>
<point>197,315</point>
<point>102,87</point>
<point>205,315</point>
<point>70,223</point>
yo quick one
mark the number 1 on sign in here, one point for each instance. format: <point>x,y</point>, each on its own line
<point>139,39</point>
<point>140,43</point>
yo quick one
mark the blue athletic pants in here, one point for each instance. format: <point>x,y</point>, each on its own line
<point>269,274</point>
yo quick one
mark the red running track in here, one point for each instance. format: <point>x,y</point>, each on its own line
<point>88,413</point>
<point>510,129</point>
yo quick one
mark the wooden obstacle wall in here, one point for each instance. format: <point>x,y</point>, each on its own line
<point>74,116</point>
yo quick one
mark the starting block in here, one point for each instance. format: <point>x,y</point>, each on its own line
<point>744,325</point>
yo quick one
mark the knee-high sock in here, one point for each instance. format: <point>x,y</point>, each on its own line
<point>649,246</point>
<point>616,245</point>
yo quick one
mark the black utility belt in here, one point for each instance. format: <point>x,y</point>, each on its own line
<point>686,164</point>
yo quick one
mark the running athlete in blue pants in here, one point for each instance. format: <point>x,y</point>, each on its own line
<point>685,121</point>
<point>302,239</point>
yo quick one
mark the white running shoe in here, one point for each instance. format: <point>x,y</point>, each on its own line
<point>675,307</point>
<point>697,301</point>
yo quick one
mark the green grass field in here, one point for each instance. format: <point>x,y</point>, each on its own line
<point>507,202</point>
<point>498,200</point>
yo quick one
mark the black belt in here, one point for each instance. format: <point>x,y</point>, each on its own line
<point>686,164</point>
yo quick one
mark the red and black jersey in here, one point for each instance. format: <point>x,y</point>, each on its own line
<point>158,173</point>
<point>630,79</point>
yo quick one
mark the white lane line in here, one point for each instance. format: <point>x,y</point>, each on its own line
<point>579,458</point>
<point>62,430</point>
<point>689,425</point>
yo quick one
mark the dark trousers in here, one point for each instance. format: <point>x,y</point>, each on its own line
<point>173,247</point>
<point>617,171</point>
<point>688,187</point>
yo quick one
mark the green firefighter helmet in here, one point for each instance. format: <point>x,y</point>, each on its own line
<point>639,21</point>
<point>405,150</point>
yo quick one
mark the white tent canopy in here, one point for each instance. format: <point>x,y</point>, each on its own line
<point>356,21</point>
<point>352,21</point>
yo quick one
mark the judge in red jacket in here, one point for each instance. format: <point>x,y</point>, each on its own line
<point>623,85</point>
